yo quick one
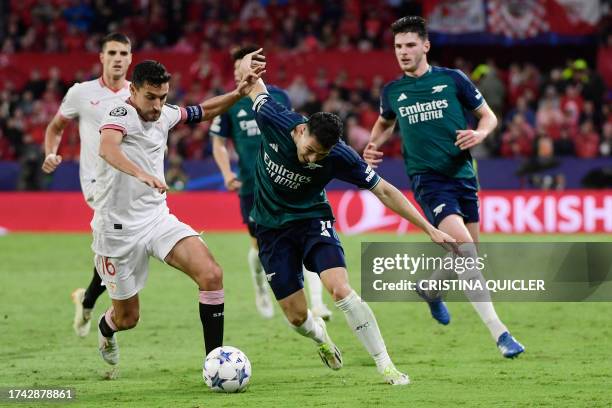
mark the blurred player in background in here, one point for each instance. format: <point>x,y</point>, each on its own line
<point>294,221</point>
<point>428,103</point>
<point>131,218</point>
<point>88,102</point>
<point>239,124</point>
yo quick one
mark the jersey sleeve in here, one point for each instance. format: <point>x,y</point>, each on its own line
<point>270,114</point>
<point>175,115</point>
<point>220,126</point>
<point>117,119</point>
<point>467,93</point>
<point>353,169</point>
<point>385,106</point>
<point>70,104</point>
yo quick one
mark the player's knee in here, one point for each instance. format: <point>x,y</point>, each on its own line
<point>211,277</point>
<point>127,320</point>
<point>297,317</point>
<point>340,291</point>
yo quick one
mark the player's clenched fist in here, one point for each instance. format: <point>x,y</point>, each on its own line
<point>51,163</point>
<point>372,155</point>
<point>153,182</point>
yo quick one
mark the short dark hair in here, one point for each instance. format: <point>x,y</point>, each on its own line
<point>410,24</point>
<point>117,37</point>
<point>241,52</point>
<point>150,72</point>
<point>326,128</point>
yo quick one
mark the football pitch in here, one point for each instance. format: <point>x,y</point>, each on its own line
<point>567,362</point>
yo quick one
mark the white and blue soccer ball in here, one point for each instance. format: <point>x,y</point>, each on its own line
<point>227,369</point>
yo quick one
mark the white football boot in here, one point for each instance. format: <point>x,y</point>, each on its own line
<point>109,348</point>
<point>82,317</point>
<point>395,377</point>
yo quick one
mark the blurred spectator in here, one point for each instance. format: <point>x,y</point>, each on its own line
<point>605,149</point>
<point>540,171</point>
<point>587,141</point>
<point>175,176</point>
<point>564,145</point>
<point>298,92</point>
<point>590,113</point>
<point>357,136</point>
<point>36,84</point>
<point>30,160</point>
<point>491,86</point>
<point>204,70</point>
<point>549,117</point>
<point>523,109</point>
<point>518,140</point>
<point>335,104</point>
<point>7,152</point>
<point>572,104</point>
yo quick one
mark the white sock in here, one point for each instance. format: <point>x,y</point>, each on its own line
<point>481,300</point>
<point>257,272</point>
<point>363,323</point>
<point>311,329</point>
<point>315,288</point>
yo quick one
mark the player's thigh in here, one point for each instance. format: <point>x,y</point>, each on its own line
<point>126,275</point>
<point>178,245</point>
<point>454,226</point>
<point>474,230</point>
<point>437,196</point>
<point>192,257</point>
<point>280,253</point>
<point>295,307</point>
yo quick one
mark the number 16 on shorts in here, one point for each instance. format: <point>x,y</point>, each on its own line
<point>107,271</point>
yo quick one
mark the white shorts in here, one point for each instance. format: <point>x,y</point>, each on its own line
<point>125,275</point>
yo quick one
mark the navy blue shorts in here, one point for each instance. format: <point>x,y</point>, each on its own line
<point>440,196</point>
<point>246,205</point>
<point>312,243</point>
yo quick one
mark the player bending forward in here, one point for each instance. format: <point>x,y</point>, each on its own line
<point>238,123</point>
<point>294,221</point>
<point>131,219</point>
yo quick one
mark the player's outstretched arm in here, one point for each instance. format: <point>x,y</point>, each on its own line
<point>110,151</point>
<point>487,122</point>
<point>223,162</point>
<point>381,132</point>
<point>53,138</point>
<point>393,199</point>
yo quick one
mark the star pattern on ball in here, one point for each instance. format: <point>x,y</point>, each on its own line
<point>224,356</point>
<point>242,375</point>
<point>217,381</point>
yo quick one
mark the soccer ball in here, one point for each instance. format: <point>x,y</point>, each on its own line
<point>227,369</point>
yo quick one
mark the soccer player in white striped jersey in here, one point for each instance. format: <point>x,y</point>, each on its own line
<point>88,102</point>
<point>131,218</point>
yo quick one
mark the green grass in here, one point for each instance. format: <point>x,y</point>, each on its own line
<point>567,362</point>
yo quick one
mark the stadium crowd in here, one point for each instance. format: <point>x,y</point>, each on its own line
<point>563,111</point>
